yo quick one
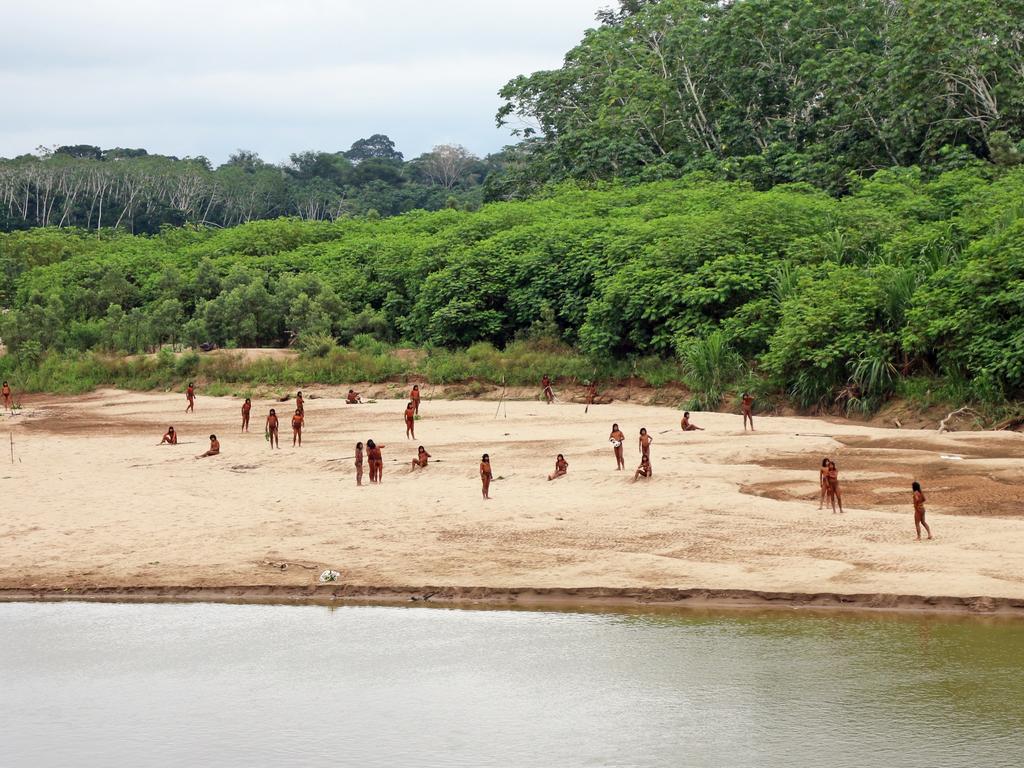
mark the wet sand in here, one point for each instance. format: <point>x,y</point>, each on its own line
<point>92,506</point>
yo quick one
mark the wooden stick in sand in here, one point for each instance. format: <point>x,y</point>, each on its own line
<point>501,399</point>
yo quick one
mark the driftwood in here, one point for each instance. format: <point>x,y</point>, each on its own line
<point>943,425</point>
<point>1011,423</point>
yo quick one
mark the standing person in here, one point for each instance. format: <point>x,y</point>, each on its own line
<point>644,470</point>
<point>170,437</point>
<point>823,482</point>
<point>833,487</point>
<point>747,403</point>
<point>300,404</point>
<point>272,429</point>
<point>376,459</point>
<point>297,428</point>
<point>549,395</point>
<point>616,438</point>
<point>486,475</point>
<point>561,468</point>
<point>687,425</point>
<point>359,463</point>
<point>645,443</point>
<point>919,501</point>
<point>410,421</point>
<point>246,408</point>
<point>421,458</point>
<point>415,397</point>
<point>214,448</point>
<point>190,395</point>
<point>6,392</point>
<point>591,393</point>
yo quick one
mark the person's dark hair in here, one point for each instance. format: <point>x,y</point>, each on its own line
<point>273,412</point>
<point>248,400</point>
<point>170,429</point>
<point>486,458</point>
<point>359,446</point>
<point>915,486</point>
<point>825,461</point>
<point>190,383</point>
<point>370,444</point>
<point>561,457</point>
<point>643,430</point>
<point>831,464</point>
<point>686,413</point>
<point>615,426</point>
<point>415,386</point>
<point>299,392</point>
<point>213,437</point>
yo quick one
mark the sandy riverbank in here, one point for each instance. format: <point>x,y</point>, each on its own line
<point>91,503</point>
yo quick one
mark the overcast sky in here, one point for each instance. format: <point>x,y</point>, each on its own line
<point>205,77</point>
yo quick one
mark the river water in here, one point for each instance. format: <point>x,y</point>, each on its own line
<point>247,685</point>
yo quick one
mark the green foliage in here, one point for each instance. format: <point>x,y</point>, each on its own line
<point>710,364</point>
<point>831,300</point>
<point>773,91</point>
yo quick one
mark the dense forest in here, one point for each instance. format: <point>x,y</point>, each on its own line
<point>92,188</point>
<point>817,198</point>
<point>826,298</point>
<point>774,91</point>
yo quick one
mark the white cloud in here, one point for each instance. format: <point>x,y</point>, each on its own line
<point>190,77</point>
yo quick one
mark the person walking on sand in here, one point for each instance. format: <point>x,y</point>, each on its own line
<point>190,395</point>
<point>644,470</point>
<point>689,426</point>
<point>272,429</point>
<point>297,420</point>
<point>823,482</point>
<point>359,464</point>
<point>170,437</point>
<point>561,468</point>
<point>486,475</point>
<point>833,487</point>
<point>616,438</point>
<point>214,448</point>
<point>422,457</point>
<point>747,404</point>
<point>549,395</point>
<point>246,408</point>
<point>6,392</point>
<point>415,397</point>
<point>919,501</point>
<point>410,421</point>
<point>645,443</point>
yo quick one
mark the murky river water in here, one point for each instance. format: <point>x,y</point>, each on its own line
<point>243,685</point>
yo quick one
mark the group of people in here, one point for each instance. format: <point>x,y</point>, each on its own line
<point>830,493</point>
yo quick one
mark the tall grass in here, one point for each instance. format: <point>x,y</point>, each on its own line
<point>710,365</point>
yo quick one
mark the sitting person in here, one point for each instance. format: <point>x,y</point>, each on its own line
<point>170,437</point>
<point>214,448</point>
<point>561,468</point>
<point>353,398</point>
<point>687,425</point>
<point>644,470</point>
<point>421,458</point>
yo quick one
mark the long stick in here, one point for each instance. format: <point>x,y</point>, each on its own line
<point>501,399</point>
<point>12,447</point>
